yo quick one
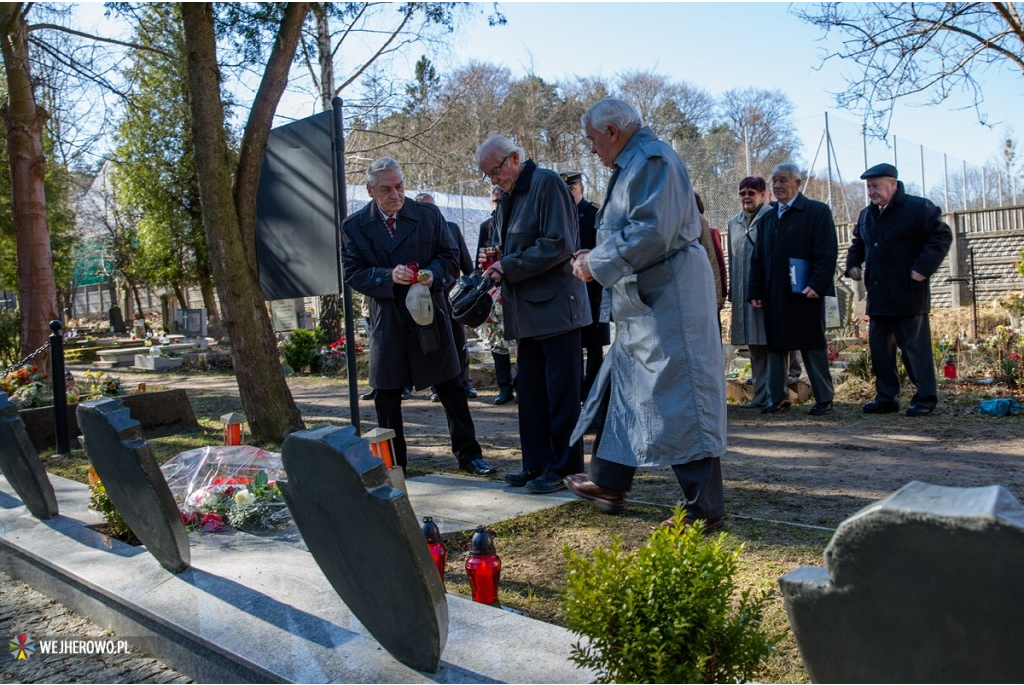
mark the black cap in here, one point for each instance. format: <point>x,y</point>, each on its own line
<point>571,178</point>
<point>881,170</point>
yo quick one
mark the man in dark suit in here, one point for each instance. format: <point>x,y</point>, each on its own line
<point>797,237</point>
<point>598,334</point>
<point>387,246</point>
<point>458,330</point>
<point>544,308</point>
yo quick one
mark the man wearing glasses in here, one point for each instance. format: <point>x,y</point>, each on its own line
<point>544,306</point>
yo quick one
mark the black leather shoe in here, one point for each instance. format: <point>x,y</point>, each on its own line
<point>471,393</point>
<point>880,407</point>
<point>821,408</point>
<point>369,394</point>
<point>406,393</point>
<point>518,480</point>
<point>478,467</point>
<point>775,408</point>
<point>548,482</point>
<point>434,397</point>
<point>504,397</point>
<point>918,410</point>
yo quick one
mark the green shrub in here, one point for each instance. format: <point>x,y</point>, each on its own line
<point>303,347</point>
<point>668,612</point>
<point>860,366</point>
<point>116,526</point>
<point>10,337</point>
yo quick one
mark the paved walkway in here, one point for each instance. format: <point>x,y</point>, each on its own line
<point>23,610</point>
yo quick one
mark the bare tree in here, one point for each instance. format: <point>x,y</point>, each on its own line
<point>762,121</point>
<point>919,48</point>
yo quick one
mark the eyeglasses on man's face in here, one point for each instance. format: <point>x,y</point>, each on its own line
<point>748,193</point>
<point>497,170</point>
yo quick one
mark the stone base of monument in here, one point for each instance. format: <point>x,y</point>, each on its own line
<point>256,608</point>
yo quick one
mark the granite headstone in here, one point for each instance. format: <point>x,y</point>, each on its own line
<point>923,586</point>
<point>363,534</point>
<point>19,462</point>
<point>125,464</point>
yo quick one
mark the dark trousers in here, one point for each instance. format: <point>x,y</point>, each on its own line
<point>549,402</point>
<point>388,404</point>
<point>913,336</point>
<point>816,363</point>
<point>459,335</point>
<point>591,365</point>
<point>700,480</point>
<point>503,371</point>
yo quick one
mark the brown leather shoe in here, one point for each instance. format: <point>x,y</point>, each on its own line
<point>607,500</point>
<point>711,525</point>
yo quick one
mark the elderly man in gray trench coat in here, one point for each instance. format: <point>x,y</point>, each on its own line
<point>661,390</point>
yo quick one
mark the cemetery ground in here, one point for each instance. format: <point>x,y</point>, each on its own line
<point>790,479</point>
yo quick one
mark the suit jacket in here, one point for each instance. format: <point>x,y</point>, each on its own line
<point>598,332</point>
<point>369,255</point>
<point>539,232</point>
<point>806,231</point>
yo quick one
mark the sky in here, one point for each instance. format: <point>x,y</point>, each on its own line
<point>719,46</point>
<point>724,45</point>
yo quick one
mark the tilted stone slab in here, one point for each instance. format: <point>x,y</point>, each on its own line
<point>20,464</point>
<point>363,534</point>
<point>125,464</point>
<point>923,586</point>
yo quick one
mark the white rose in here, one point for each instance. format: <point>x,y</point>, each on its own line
<point>244,498</point>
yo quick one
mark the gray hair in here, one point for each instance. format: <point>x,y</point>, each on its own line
<point>502,144</point>
<point>423,196</point>
<point>612,111</point>
<point>789,168</point>
<point>379,166</point>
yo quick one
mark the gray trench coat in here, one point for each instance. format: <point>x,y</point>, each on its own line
<point>747,323</point>
<point>664,368</point>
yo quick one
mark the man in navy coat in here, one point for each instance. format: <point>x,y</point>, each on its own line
<point>901,241</point>
<point>385,245</point>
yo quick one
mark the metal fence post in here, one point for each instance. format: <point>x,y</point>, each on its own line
<point>60,391</point>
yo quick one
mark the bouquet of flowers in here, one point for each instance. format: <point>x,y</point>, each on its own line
<point>216,487</point>
<point>26,387</point>
<point>338,346</point>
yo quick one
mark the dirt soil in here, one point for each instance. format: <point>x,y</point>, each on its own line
<point>790,467</point>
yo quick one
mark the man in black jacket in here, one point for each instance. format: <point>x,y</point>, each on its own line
<point>598,334</point>
<point>901,241</point>
<point>544,307</point>
<point>387,246</point>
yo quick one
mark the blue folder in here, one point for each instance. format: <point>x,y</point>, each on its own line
<point>799,274</point>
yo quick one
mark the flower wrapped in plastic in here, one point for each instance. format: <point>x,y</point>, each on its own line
<point>216,487</point>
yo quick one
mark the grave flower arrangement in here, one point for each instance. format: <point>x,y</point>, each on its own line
<point>338,346</point>
<point>218,487</point>
<point>26,387</point>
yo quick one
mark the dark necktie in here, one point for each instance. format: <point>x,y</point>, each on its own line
<point>390,223</point>
<point>782,208</point>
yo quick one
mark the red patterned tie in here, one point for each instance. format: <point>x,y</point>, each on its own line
<point>390,223</point>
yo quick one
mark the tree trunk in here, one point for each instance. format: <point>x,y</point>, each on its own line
<point>37,291</point>
<point>229,217</point>
<point>330,309</point>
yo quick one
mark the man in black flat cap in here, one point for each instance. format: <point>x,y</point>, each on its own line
<point>598,334</point>
<point>901,240</point>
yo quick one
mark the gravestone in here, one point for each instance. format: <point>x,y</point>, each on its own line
<point>124,462</point>
<point>923,586</point>
<point>19,462</point>
<point>364,536</point>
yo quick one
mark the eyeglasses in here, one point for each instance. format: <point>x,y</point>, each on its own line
<point>496,170</point>
<point>748,193</point>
